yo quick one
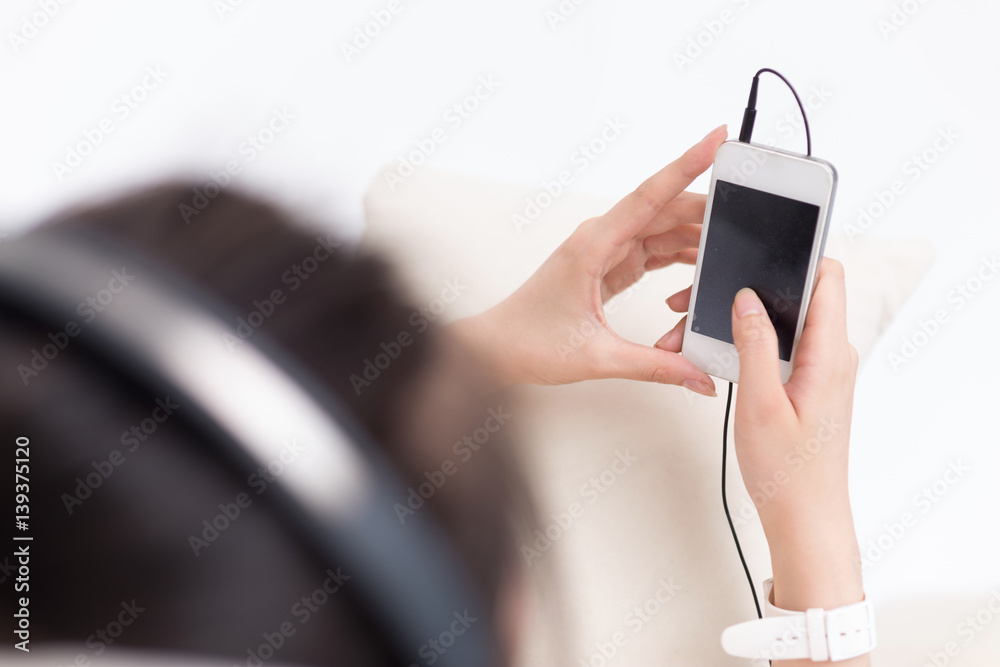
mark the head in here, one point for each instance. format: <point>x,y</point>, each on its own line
<point>119,542</point>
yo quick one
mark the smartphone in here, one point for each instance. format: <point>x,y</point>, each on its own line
<point>765,227</point>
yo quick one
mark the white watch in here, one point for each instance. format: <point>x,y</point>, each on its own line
<point>836,634</point>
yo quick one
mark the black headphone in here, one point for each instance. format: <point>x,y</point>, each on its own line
<point>249,398</point>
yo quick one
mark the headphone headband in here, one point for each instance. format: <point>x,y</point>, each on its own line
<point>163,333</point>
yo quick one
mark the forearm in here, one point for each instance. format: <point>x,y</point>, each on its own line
<point>816,563</point>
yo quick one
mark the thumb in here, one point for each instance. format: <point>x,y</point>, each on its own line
<point>757,346</point>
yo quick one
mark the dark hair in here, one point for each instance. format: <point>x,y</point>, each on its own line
<point>125,544</point>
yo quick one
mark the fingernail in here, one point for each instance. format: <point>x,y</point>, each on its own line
<point>699,387</point>
<point>714,131</point>
<point>747,303</point>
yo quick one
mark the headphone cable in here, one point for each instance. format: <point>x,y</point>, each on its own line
<point>746,132</point>
<point>750,113</point>
<point>725,502</point>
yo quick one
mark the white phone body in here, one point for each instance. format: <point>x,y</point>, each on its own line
<point>755,234</point>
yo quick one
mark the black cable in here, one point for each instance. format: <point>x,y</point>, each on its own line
<point>746,132</point>
<point>750,114</point>
<point>725,503</point>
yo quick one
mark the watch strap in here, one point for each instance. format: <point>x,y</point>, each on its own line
<point>815,634</point>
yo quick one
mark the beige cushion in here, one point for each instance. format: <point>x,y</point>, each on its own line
<point>661,519</point>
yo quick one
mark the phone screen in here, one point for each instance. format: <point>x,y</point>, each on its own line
<point>759,240</point>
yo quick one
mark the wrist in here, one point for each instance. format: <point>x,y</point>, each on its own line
<point>479,338</point>
<point>817,567</point>
<point>801,518</point>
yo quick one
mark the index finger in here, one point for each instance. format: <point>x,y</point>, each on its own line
<point>636,210</point>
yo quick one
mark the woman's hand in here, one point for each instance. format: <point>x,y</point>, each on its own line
<point>552,330</point>
<point>792,444</point>
<point>801,428</point>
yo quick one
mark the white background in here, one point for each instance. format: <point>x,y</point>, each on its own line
<point>878,99</point>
